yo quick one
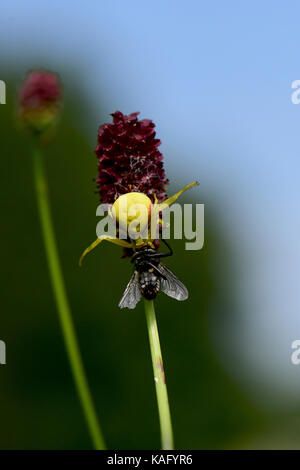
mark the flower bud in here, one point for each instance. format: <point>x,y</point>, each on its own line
<point>40,100</point>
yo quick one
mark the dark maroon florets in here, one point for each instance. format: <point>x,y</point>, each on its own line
<point>129,159</point>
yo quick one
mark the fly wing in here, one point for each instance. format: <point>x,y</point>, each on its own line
<point>171,285</point>
<point>132,293</point>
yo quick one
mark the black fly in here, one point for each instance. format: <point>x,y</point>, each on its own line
<point>149,277</point>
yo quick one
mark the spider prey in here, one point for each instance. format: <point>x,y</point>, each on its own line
<point>150,276</point>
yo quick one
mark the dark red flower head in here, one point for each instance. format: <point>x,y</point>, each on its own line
<point>129,159</point>
<point>40,99</point>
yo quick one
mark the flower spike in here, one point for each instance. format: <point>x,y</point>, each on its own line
<point>129,159</point>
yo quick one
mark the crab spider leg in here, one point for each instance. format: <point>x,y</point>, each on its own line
<point>116,241</point>
<point>173,198</point>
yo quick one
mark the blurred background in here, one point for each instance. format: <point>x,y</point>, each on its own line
<point>216,79</point>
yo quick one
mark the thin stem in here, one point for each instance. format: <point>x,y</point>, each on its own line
<point>159,378</point>
<point>62,302</point>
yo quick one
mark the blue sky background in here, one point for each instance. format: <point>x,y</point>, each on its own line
<point>216,79</point>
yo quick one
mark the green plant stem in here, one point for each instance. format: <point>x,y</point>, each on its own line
<point>62,302</point>
<point>159,378</point>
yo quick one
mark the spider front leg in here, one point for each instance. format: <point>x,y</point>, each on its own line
<point>168,246</point>
<point>162,255</point>
<point>116,241</point>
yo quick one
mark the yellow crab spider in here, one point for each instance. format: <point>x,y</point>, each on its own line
<point>134,199</point>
